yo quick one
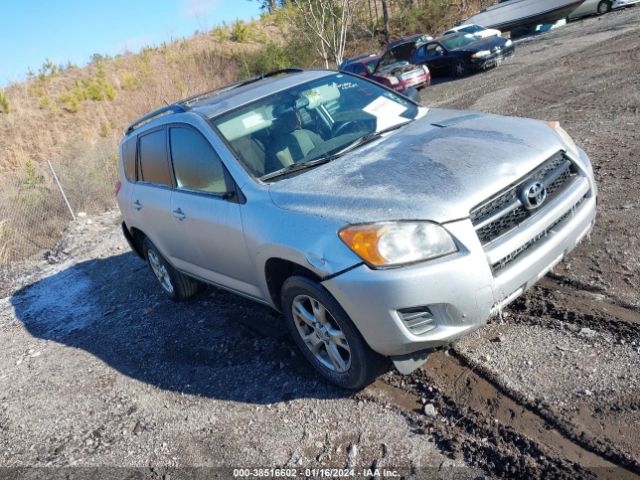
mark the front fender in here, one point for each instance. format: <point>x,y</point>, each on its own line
<point>307,240</point>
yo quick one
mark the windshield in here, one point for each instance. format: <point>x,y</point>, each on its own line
<point>310,121</point>
<point>471,29</point>
<point>458,41</point>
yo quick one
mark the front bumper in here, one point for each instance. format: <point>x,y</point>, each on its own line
<point>417,82</point>
<point>461,291</point>
<point>492,60</point>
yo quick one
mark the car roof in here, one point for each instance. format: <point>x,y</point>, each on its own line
<point>460,27</point>
<point>361,58</point>
<point>365,60</point>
<point>228,99</point>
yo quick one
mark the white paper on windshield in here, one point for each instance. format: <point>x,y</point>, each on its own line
<point>252,120</point>
<point>387,112</point>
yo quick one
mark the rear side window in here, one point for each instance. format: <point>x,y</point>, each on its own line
<point>195,164</point>
<point>129,157</point>
<point>154,165</point>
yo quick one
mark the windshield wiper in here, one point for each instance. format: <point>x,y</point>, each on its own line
<point>296,167</point>
<point>370,137</point>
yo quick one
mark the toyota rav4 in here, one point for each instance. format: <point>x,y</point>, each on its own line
<point>379,228</point>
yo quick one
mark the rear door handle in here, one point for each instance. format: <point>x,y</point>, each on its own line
<point>179,214</point>
<point>137,205</point>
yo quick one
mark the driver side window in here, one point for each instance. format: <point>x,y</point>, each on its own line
<point>196,165</point>
<point>433,50</point>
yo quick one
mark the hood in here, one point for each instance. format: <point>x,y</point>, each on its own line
<point>488,43</point>
<point>436,168</point>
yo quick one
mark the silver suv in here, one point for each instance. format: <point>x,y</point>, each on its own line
<point>379,228</point>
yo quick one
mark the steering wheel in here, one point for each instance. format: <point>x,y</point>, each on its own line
<point>343,127</point>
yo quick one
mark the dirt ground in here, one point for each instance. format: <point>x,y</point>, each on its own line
<point>97,368</point>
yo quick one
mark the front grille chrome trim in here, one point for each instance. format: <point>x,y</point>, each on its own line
<point>505,211</point>
<point>505,245</point>
<point>515,203</point>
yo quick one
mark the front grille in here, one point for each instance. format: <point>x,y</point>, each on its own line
<point>504,212</point>
<point>513,256</point>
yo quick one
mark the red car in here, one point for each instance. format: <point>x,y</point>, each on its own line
<point>396,74</point>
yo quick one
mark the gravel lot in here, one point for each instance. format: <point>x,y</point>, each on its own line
<point>98,369</point>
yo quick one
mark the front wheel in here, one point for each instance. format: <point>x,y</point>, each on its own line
<point>327,337</point>
<point>603,7</point>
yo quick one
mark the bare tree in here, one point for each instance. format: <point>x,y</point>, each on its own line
<point>325,23</point>
<point>385,16</point>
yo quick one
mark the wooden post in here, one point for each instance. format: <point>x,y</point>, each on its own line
<point>55,177</point>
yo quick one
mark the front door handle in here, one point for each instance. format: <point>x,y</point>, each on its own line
<point>179,214</point>
<point>137,205</point>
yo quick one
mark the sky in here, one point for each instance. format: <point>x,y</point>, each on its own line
<point>73,30</point>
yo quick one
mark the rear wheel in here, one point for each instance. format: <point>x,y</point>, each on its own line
<point>603,7</point>
<point>327,337</point>
<point>177,286</point>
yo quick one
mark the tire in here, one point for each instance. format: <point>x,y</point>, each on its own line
<point>359,364</point>
<point>459,69</point>
<point>177,286</point>
<point>604,7</point>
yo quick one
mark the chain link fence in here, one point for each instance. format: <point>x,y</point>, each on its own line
<point>33,211</point>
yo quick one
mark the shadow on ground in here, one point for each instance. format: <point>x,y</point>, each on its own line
<point>218,345</point>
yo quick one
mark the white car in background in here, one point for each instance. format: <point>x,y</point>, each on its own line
<point>476,30</point>
<point>623,3</point>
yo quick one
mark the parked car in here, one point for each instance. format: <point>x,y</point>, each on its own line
<point>461,53</point>
<point>379,228</point>
<point>398,75</point>
<point>590,7</point>
<point>623,3</point>
<point>474,29</point>
<point>370,60</point>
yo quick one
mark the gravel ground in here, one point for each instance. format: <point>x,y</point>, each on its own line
<point>571,347</point>
<point>98,369</point>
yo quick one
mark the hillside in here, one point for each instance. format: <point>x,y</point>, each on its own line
<point>74,117</point>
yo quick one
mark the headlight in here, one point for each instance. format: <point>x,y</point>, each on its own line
<point>572,148</point>
<point>481,54</point>
<point>393,80</point>
<point>397,243</point>
<point>508,43</point>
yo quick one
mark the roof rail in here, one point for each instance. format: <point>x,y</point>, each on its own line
<point>183,105</point>
<point>175,108</point>
<point>226,88</point>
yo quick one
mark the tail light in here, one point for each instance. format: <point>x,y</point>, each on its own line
<point>118,187</point>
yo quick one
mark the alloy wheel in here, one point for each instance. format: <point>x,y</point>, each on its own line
<point>160,271</point>
<point>321,333</point>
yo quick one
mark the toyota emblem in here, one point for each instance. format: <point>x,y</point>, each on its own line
<point>533,194</point>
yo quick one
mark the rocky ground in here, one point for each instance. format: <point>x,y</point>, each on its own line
<point>98,369</point>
